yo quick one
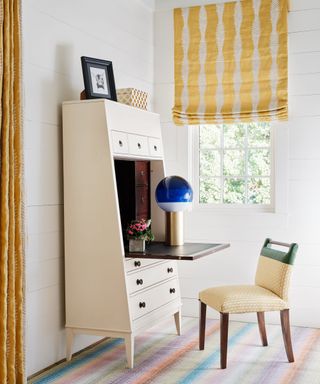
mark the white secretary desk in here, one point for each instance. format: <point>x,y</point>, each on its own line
<point>102,294</point>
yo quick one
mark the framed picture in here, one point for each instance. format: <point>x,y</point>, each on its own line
<point>98,78</point>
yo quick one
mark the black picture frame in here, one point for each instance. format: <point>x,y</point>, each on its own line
<point>98,78</point>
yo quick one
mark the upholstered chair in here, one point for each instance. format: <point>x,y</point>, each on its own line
<point>270,293</point>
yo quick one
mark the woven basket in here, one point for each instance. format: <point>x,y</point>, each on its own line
<point>133,97</point>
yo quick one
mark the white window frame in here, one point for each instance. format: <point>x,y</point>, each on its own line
<point>224,207</point>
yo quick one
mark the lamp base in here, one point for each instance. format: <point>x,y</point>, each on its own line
<point>174,228</point>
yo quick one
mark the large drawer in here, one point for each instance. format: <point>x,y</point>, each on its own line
<point>150,276</point>
<point>133,264</point>
<point>153,298</point>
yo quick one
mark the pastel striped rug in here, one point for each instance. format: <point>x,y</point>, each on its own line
<point>165,358</point>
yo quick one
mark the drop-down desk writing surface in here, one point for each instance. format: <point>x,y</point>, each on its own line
<point>187,251</point>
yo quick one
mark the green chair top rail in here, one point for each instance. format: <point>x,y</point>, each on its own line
<point>283,257</point>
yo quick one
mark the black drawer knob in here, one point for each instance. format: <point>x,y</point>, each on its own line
<point>142,304</point>
<point>155,147</point>
<point>137,264</point>
<point>172,290</point>
<point>139,281</point>
<point>139,145</point>
<point>170,270</point>
<point>120,143</point>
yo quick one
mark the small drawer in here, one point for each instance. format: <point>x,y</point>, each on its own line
<point>155,148</point>
<point>153,298</point>
<point>148,277</point>
<point>119,142</point>
<point>138,145</point>
<point>136,264</point>
<point>142,172</point>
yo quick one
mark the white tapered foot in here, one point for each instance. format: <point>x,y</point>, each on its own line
<point>129,342</point>
<point>69,341</point>
<point>177,319</point>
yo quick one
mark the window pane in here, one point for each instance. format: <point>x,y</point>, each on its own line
<point>210,190</point>
<point>233,162</point>
<point>259,162</point>
<point>210,136</point>
<point>234,191</point>
<point>209,163</point>
<point>234,135</point>
<point>259,191</point>
<point>259,134</point>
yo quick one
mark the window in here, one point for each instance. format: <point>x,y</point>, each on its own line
<point>234,164</point>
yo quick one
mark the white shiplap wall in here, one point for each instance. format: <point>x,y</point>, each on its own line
<point>297,217</point>
<point>55,35</point>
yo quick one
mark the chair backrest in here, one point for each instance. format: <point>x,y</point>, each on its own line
<point>274,267</point>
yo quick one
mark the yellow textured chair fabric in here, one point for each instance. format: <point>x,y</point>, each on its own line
<point>242,299</point>
<point>270,293</point>
<point>274,275</point>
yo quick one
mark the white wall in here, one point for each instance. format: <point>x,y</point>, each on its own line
<point>55,35</point>
<point>297,216</point>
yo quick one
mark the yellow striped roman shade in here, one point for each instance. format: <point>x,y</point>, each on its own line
<point>231,62</point>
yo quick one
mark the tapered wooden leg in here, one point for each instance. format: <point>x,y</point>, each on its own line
<point>129,341</point>
<point>262,328</point>
<point>177,319</point>
<point>285,324</point>
<point>69,343</point>
<point>224,324</point>
<point>202,325</point>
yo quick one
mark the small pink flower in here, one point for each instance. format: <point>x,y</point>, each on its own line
<point>139,229</point>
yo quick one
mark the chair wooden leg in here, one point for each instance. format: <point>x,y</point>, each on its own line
<point>262,328</point>
<point>202,325</point>
<point>285,324</point>
<point>224,324</point>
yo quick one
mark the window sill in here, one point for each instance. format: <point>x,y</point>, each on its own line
<point>235,209</point>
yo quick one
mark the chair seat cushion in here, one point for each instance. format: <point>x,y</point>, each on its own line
<point>242,299</point>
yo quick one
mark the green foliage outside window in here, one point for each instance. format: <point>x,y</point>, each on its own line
<point>235,163</point>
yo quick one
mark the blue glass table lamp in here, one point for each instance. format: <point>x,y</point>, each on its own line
<point>174,195</point>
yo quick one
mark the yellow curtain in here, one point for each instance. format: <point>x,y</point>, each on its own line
<point>11,203</point>
<point>231,62</point>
